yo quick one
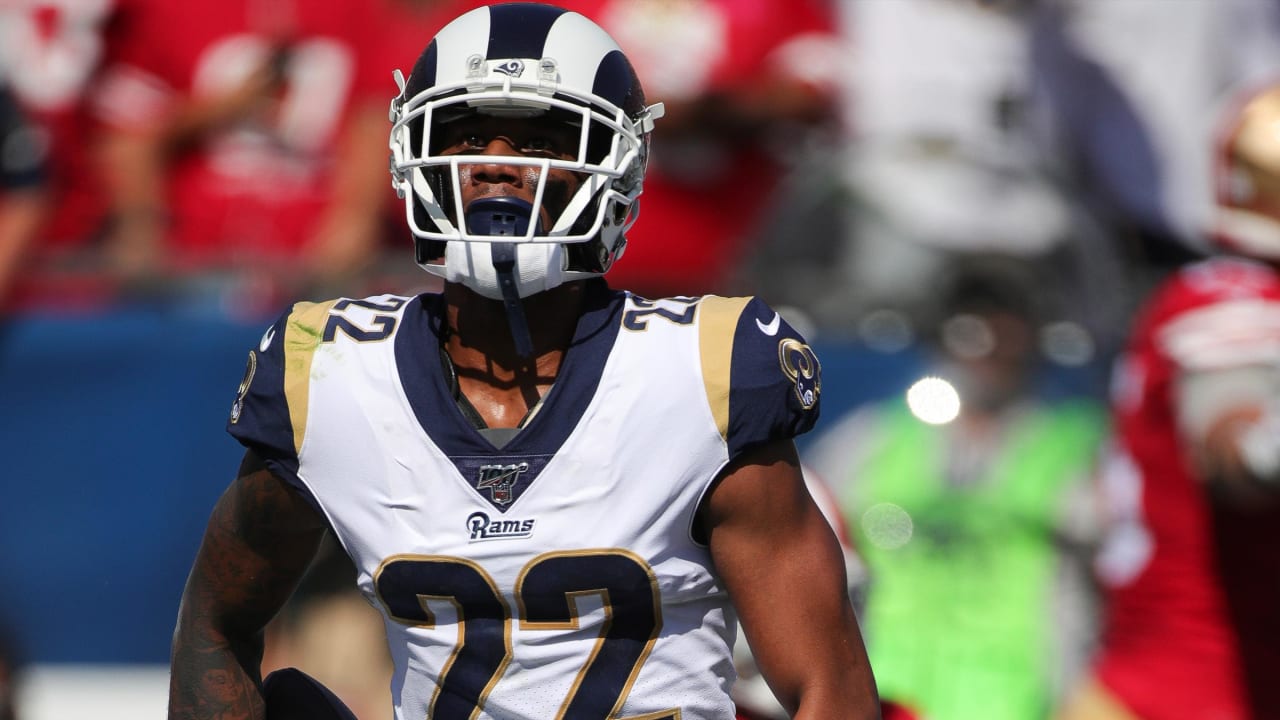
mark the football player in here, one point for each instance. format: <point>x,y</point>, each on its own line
<point>240,138</point>
<point>1191,564</point>
<point>560,496</point>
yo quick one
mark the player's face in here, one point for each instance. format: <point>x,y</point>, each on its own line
<point>496,138</point>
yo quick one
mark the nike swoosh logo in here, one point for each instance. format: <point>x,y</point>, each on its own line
<point>771,328</point>
<point>271,334</point>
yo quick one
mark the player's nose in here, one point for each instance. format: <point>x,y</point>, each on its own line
<point>495,170</point>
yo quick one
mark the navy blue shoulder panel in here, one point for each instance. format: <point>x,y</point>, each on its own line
<point>775,380</point>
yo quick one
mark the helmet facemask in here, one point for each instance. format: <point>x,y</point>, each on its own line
<point>521,62</point>
<point>610,158</point>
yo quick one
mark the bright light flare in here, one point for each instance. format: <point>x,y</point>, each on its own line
<point>934,400</point>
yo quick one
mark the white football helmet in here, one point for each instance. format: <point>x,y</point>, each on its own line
<point>1248,178</point>
<point>521,60</point>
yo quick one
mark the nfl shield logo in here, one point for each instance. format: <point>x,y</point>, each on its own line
<point>499,480</point>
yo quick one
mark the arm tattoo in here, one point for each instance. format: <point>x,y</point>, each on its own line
<point>259,541</point>
<point>211,688</point>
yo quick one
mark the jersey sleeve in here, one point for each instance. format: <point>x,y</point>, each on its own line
<point>763,380</point>
<point>270,407</point>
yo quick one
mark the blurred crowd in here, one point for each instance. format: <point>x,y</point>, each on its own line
<point>999,185</point>
<point>831,155</point>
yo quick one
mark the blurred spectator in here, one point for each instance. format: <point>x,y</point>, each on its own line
<point>949,148</point>
<point>744,82</point>
<point>944,154</point>
<point>248,138</point>
<point>22,189</point>
<point>1017,125</point>
<point>51,53</point>
<point>970,503</point>
<point>1136,87</point>
<point>1190,559</point>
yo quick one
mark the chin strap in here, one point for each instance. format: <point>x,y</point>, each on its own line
<point>504,261</point>
<point>506,217</point>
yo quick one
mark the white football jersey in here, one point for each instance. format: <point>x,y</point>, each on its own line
<point>559,575</point>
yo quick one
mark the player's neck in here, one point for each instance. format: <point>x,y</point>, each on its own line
<point>480,343</point>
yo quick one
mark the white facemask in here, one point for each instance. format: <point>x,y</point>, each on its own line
<point>539,266</point>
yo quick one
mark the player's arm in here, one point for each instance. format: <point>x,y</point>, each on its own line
<point>259,541</point>
<point>785,574</point>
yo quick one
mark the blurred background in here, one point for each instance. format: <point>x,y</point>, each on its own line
<point>978,190</point>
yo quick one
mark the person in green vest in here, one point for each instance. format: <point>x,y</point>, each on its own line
<point>970,501</point>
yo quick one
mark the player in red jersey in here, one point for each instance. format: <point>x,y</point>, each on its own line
<point>55,49</point>
<point>247,133</point>
<point>1193,612</point>
<point>52,53</point>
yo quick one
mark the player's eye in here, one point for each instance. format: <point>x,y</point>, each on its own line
<point>539,144</point>
<point>461,142</point>
<point>550,145</point>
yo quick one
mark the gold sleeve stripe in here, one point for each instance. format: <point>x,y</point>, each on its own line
<point>302,334</point>
<point>717,324</point>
